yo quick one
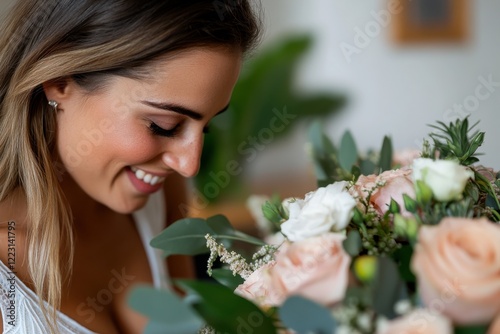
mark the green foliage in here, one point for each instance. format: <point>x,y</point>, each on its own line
<point>345,163</point>
<point>225,311</point>
<point>304,316</point>
<point>479,329</point>
<point>264,99</point>
<point>167,312</point>
<point>274,212</point>
<point>454,141</point>
<point>187,236</point>
<point>226,278</point>
<point>388,287</point>
<point>353,243</point>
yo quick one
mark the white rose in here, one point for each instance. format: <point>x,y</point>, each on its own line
<point>446,178</point>
<point>326,209</point>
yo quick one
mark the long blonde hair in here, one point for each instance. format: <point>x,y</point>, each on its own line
<point>87,40</point>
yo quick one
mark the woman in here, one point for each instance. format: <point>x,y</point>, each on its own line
<point>103,105</point>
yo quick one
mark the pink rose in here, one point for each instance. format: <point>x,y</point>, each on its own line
<point>420,321</point>
<point>405,157</point>
<point>316,268</point>
<point>457,264</point>
<point>258,287</point>
<point>390,184</point>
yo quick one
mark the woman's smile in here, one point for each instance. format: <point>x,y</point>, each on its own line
<point>144,181</point>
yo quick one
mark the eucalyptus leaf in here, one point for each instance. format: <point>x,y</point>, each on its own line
<point>185,236</point>
<point>167,312</point>
<point>227,312</point>
<point>306,317</point>
<point>226,278</point>
<point>385,162</point>
<point>353,243</point>
<point>388,287</point>
<point>348,153</point>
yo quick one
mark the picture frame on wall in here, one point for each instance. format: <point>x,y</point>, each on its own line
<point>431,21</point>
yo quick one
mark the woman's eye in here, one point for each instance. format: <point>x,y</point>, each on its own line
<point>159,131</point>
<point>206,129</point>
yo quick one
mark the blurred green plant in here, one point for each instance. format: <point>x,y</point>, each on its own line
<point>263,100</point>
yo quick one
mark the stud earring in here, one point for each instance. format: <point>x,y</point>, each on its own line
<point>53,104</point>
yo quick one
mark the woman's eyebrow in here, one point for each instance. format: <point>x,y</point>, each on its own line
<point>179,109</point>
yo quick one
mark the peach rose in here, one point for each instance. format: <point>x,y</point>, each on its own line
<point>316,268</point>
<point>457,264</point>
<point>420,321</point>
<point>390,184</point>
<point>258,287</point>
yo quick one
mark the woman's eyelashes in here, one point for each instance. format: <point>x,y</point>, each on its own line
<point>159,131</point>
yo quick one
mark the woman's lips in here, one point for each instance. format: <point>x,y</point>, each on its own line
<point>144,182</point>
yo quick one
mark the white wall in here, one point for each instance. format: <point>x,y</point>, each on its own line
<point>393,90</point>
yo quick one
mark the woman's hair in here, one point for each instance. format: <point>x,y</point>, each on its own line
<point>86,40</point>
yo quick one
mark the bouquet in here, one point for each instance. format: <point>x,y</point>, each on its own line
<point>388,243</point>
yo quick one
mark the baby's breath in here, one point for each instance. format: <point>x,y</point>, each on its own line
<point>237,264</point>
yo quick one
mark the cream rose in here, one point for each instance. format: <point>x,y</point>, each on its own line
<point>446,178</point>
<point>420,321</point>
<point>316,268</point>
<point>457,265</point>
<point>326,209</point>
<point>391,184</point>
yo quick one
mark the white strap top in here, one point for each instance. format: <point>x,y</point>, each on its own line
<point>21,313</point>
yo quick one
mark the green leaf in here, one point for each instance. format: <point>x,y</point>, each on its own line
<point>479,329</point>
<point>220,225</point>
<point>403,257</point>
<point>410,204</point>
<point>167,312</point>
<point>227,312</point>
<point>305,317</point>
<point>226,278</point>
<point>385,162</point>
<point>348,154</point>
<point>388,288</point>
<point>185,236</point>
<point>367,167</point>
<point>394,206</point>
<point>353,243</point>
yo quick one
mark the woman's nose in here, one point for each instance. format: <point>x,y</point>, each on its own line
<point>184,157</point>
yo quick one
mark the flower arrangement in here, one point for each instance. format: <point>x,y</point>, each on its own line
<point>387,244</point>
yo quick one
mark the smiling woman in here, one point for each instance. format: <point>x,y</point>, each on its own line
<point>103,108</point>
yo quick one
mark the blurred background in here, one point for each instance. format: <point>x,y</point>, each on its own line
<point>397,65</point>
<point>376,68</point>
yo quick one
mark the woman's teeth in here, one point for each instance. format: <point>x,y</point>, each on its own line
<point>147,178</point>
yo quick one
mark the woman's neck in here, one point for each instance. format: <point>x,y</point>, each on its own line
<point>83,207</point>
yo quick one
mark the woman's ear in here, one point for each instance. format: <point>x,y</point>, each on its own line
<point>58,90</point>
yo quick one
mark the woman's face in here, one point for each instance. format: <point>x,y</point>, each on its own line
<point>119,144</point>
